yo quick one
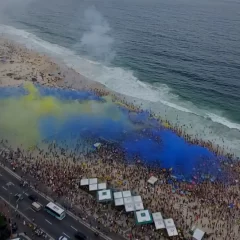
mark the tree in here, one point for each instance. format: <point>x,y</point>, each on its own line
<point>4,228</point>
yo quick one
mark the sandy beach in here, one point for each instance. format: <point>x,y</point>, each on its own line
<point>207,207</point>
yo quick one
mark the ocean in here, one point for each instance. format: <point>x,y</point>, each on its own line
<point>179,58</point>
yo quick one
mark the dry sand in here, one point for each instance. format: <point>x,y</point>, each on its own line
<point>19,64</point>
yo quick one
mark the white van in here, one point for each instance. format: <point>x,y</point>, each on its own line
<point>36,206</point>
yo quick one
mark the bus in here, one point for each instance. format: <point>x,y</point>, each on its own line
<point>55,210</point>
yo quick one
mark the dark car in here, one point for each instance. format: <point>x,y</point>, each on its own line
<point>33,197</point>
<point>80,236</point>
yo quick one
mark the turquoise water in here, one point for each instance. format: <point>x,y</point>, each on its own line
<point>179,58</point>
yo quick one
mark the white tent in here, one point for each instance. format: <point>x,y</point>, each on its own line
<point>171,228</point>
<point>198,234</point>
<point>93,187</point>
<point>104,195</point>
<point>126,193</point>
<point>172,231</point>
<point>129,207</point>
<point>102,186</point>
<point>84,182</point>
<point>138,206</point>
<point>169,222</point>
<point>128,200</point>
<point>152,180</point>
<point>143,217</point>
<point>93,181</point>
<point>158,220</point>
<point>137,198</point>
<point>118,202</point>
<point>117,195</point>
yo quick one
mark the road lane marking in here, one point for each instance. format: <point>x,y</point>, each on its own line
<point>26,194</point>
<point>48,221</point>
<point>4,188</point>
<point>51,200</point>
<point>31,209</point>
<point>51,238</point>
<point>66,235</point>
<point>74,228</point>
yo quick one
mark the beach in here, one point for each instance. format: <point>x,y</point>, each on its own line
<point>209,205</point>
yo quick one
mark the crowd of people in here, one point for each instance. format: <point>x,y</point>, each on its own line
<point>210,205</point>
<point>213,207</point>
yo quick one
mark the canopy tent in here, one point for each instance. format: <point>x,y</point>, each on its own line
<point>93,187</point>
<point>152,180</point>
<point>84,182</point>
<point>169,222</point>
<point>172,231</point>
<point>128,200</point>
<point>117,195</point>
<point>198,234</point>
<point>129,207</point>
<point>137,199</point>
<point>102,186</point>
<point>126,194</point>
<point>118,202</point>
<point>138,206</point>
<point>158,220</point>
<point>171,228</point>
<point>143,217</point>
<point>104,195</point>
<point>93,181</point>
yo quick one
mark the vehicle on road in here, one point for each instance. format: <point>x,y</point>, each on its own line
<point>33,197</point>
<point>18,196</point>
<point>14,227</point>
<point>63,238</point>
<point>55,211</point>
<point>80,236</point>
<point>36,206</point>
<point>23,184</point>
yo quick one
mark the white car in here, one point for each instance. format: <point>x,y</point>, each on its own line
<point>63,238</point>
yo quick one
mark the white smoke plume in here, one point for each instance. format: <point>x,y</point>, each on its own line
<point>97,40</point>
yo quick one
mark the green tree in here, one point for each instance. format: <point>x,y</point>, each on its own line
<point>4,228</point>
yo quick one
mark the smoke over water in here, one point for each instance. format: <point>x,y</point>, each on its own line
<point>96,40</point>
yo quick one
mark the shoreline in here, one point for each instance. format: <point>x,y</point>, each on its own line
<point>27,65</point>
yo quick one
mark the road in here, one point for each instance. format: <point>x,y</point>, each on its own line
<point>9,186</point>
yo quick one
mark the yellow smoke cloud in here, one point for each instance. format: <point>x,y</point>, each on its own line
<point>19,118</point>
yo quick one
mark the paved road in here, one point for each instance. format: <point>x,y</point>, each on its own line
<point>9,186</point>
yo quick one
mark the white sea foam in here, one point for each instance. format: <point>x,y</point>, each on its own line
<point>223,121</point>
<point>125,82</point>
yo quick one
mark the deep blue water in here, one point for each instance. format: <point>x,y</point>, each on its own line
<point>180,58</point>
